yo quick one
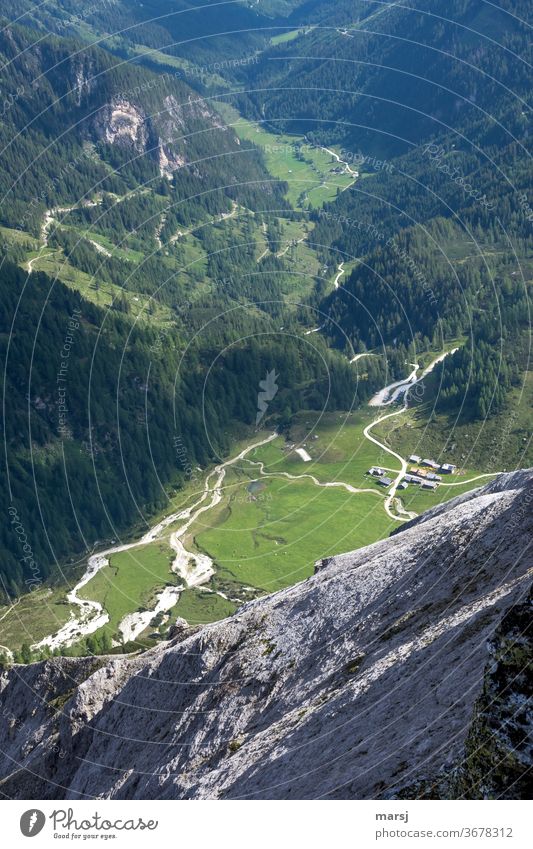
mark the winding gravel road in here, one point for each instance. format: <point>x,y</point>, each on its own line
<point>385,397</point>
<point>349,169</point>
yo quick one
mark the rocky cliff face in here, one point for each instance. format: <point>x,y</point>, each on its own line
<point>398,670</point>
<point>121,122</point>
<point>127,124</point>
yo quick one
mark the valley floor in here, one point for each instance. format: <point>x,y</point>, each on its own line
<point>254,524</point>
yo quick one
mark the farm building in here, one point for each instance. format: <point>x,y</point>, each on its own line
<point>448,468</point>
<point>429,485</point>
<point>431,476</point>
<point>412,479</point>
<point>403,484</point>
<point>414,458</point>
<point>422,473</point>
<point>376,471</point>
<point>431,463</point>
<point>385,481</point>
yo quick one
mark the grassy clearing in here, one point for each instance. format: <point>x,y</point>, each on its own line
<point>199,607</point>
<point>208,76</point>
<point>311,173</point>
<point>130,581</point>
<point>340,452</point>
<point>19,237</point>
<point>303,273</point>
<point>54,263</point>
<point>284,37</point>
<point>189,256</point>
<point>300,260</point>
<point>33,617</point>
<point>121,251</point>
<point>262,536</point>
<point>271,538</point>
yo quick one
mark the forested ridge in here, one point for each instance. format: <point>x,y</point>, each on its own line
<point>197,30</point>
<point>386,77</point>
<point>55,138</point>
<point>442,219</point>
<point>464,271</point>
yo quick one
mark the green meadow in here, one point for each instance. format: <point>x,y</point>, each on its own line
<point>131,580</point>
<point>267,532</point>
<point>34,616</point>
<point>336,445</point>
<point>273,539</point>
<point>285,37</point>
<point>198,607</point>
<point>310,172</point>
<point>339,452</point>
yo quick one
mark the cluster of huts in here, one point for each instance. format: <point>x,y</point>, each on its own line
<point>378,472</point>
<point>425,473</point>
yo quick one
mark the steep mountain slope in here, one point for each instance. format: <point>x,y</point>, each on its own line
<point>194,28</point>
<point>368,680</point>
<point>78,122</point>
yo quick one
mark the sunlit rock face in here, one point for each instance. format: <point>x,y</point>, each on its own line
<point>161,136</point>
<point>120,122</point>
<point>372,679</point>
